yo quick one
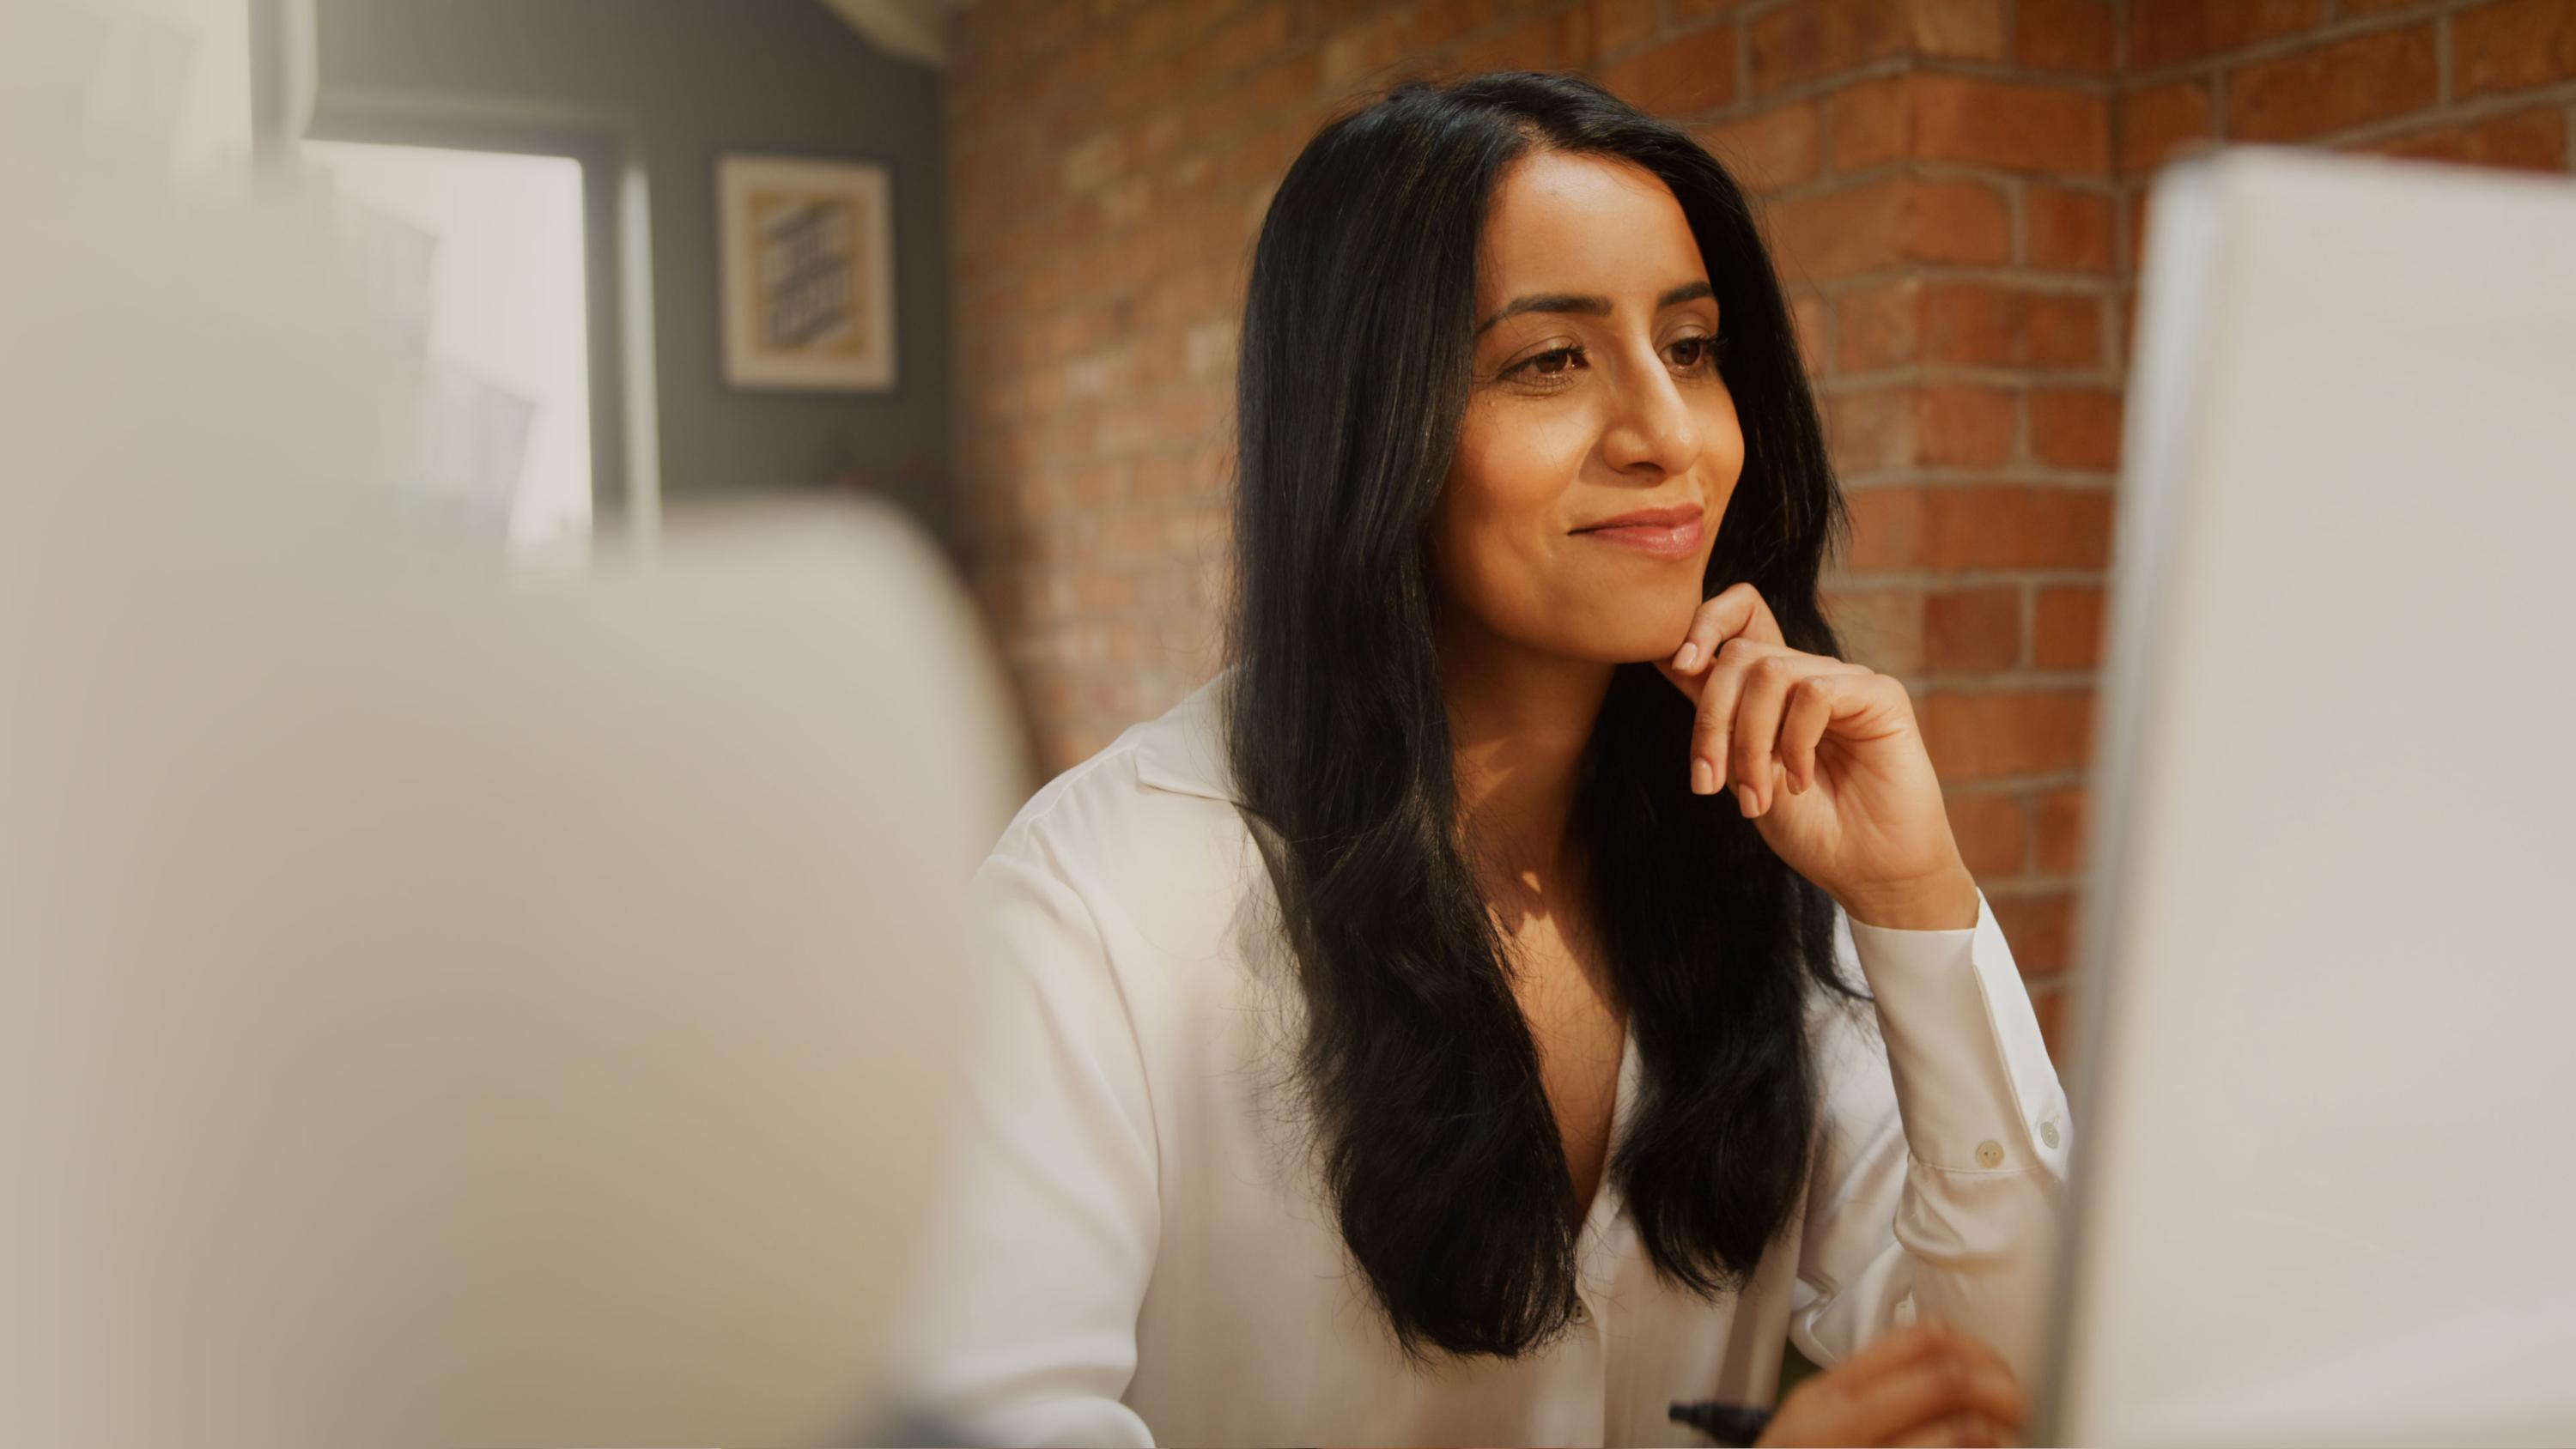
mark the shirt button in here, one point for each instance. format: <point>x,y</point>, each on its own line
<point>1990,1154</point>
<point>1582,1313</point>
<point>2048,1133</point>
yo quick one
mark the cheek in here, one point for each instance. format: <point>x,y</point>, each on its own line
<point>1519,462</point>
<point>1497,531</point>
<point>1500,547</point>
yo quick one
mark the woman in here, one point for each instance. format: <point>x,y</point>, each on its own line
<point>1447,1025</point>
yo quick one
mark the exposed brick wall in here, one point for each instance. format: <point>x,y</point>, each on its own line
<point>1954,190</point>
<point>1955,251</point>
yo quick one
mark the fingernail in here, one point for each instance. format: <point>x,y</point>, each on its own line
<point>1703,778</point>
<point>1689,655</point>
<point>1744,800</point>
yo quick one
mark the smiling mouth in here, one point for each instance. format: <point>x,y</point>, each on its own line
<point>1669,516</point>
<point>1660,540</point>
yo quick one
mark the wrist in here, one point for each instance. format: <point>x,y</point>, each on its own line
<point>1946,901</point>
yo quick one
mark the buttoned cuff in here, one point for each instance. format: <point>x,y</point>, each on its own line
<point>1974,1085</point>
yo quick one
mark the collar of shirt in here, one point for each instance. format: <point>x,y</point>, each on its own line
<point>1183,750</point>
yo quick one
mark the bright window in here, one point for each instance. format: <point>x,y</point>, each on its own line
<point>476,261</point>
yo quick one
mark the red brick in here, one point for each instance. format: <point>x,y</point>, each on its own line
<point>1880,627</point>
<point>1618,25</point>
<point>1958,221</point>
<point>1079,68</point>
<point>1543,42</point>
<point>1094,162</point>
<point>2038,926</point>
<point>2512,45</point>
<point>1679,77</point>
<point>1932,425</point>
<point>2164,32</point>
<point>1992,829</point>
<point>2137,253</point>
<point>1254,35</point>
<point>1284,82</point>
<point>2016,526</point>
<point>1872,225</point>
<point>1871,122</point>
<point>2365,78</point>
<point>1973,630</point>
<point>1964,323</point>
<point>2059,846</point>
<point>1812,38</point>
<point>1903,527</point>
<point>2013,125</point>
<point>1098,591</point>
<point>1986,734</point>
<point>1768,149</point>
<point>1807,317</point>
<point>2066,230</point>
<point>1870,430</point>
<point>1151,29</point>
<point>2075,427</point>
<point>1393,37</point>
<point>2066,627</point>
<point>1312,17</point>
<point>2527,140</point>
<point>1962,425</point>
<point>2017,126</point>
<point>2064,35</point>
<point>1878,327</point>
<point>1159,476</point>
<point>1175,416</point>
<point>1887,529</point>
<point>2159,122</point>
<point>1979,323</point>
<point>1961,29</point>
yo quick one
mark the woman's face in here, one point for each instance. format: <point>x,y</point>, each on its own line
<point>1596,395</point>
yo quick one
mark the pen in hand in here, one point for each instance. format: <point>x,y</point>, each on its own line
<point>1926,1382</point>
<point>1736,1424</point>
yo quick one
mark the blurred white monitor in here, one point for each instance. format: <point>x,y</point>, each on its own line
<point>2326,1187</point>
<point>443,1007</point>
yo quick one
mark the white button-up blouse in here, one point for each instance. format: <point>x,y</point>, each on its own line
<point>1134,1246</point>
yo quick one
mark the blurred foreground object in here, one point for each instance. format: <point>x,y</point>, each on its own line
<point>438,1005</point>
<point>2328,982</point>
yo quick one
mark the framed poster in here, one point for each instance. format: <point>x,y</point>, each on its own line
<point>808,257</point>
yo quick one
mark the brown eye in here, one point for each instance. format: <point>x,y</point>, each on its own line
<point>1536,365</point>
<point>1704,351</point>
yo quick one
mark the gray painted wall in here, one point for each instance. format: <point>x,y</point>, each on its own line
<point>669,84</point>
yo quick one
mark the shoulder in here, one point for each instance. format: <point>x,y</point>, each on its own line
<point>1145,831</point>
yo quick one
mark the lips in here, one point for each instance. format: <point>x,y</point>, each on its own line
<point>1664,533</point>
<point>1666,518</point>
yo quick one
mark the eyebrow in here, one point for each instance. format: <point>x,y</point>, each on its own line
<point>1590,306</point>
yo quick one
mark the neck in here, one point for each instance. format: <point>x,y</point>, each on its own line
<point>1519,722</point>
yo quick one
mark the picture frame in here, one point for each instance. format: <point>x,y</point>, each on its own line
<point>806,252</point>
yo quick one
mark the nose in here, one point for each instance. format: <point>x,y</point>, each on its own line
<point>1651,429</point>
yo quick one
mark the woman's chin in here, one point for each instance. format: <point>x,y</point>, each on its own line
<point>1653,632</point>
<point>1638,646</point>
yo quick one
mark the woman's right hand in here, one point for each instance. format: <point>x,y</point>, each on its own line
<point>1928,1384</point>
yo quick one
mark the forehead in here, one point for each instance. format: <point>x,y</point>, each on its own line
<point>1582,223</point>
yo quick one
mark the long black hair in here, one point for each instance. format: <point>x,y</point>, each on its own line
<point>1433,1129</point>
